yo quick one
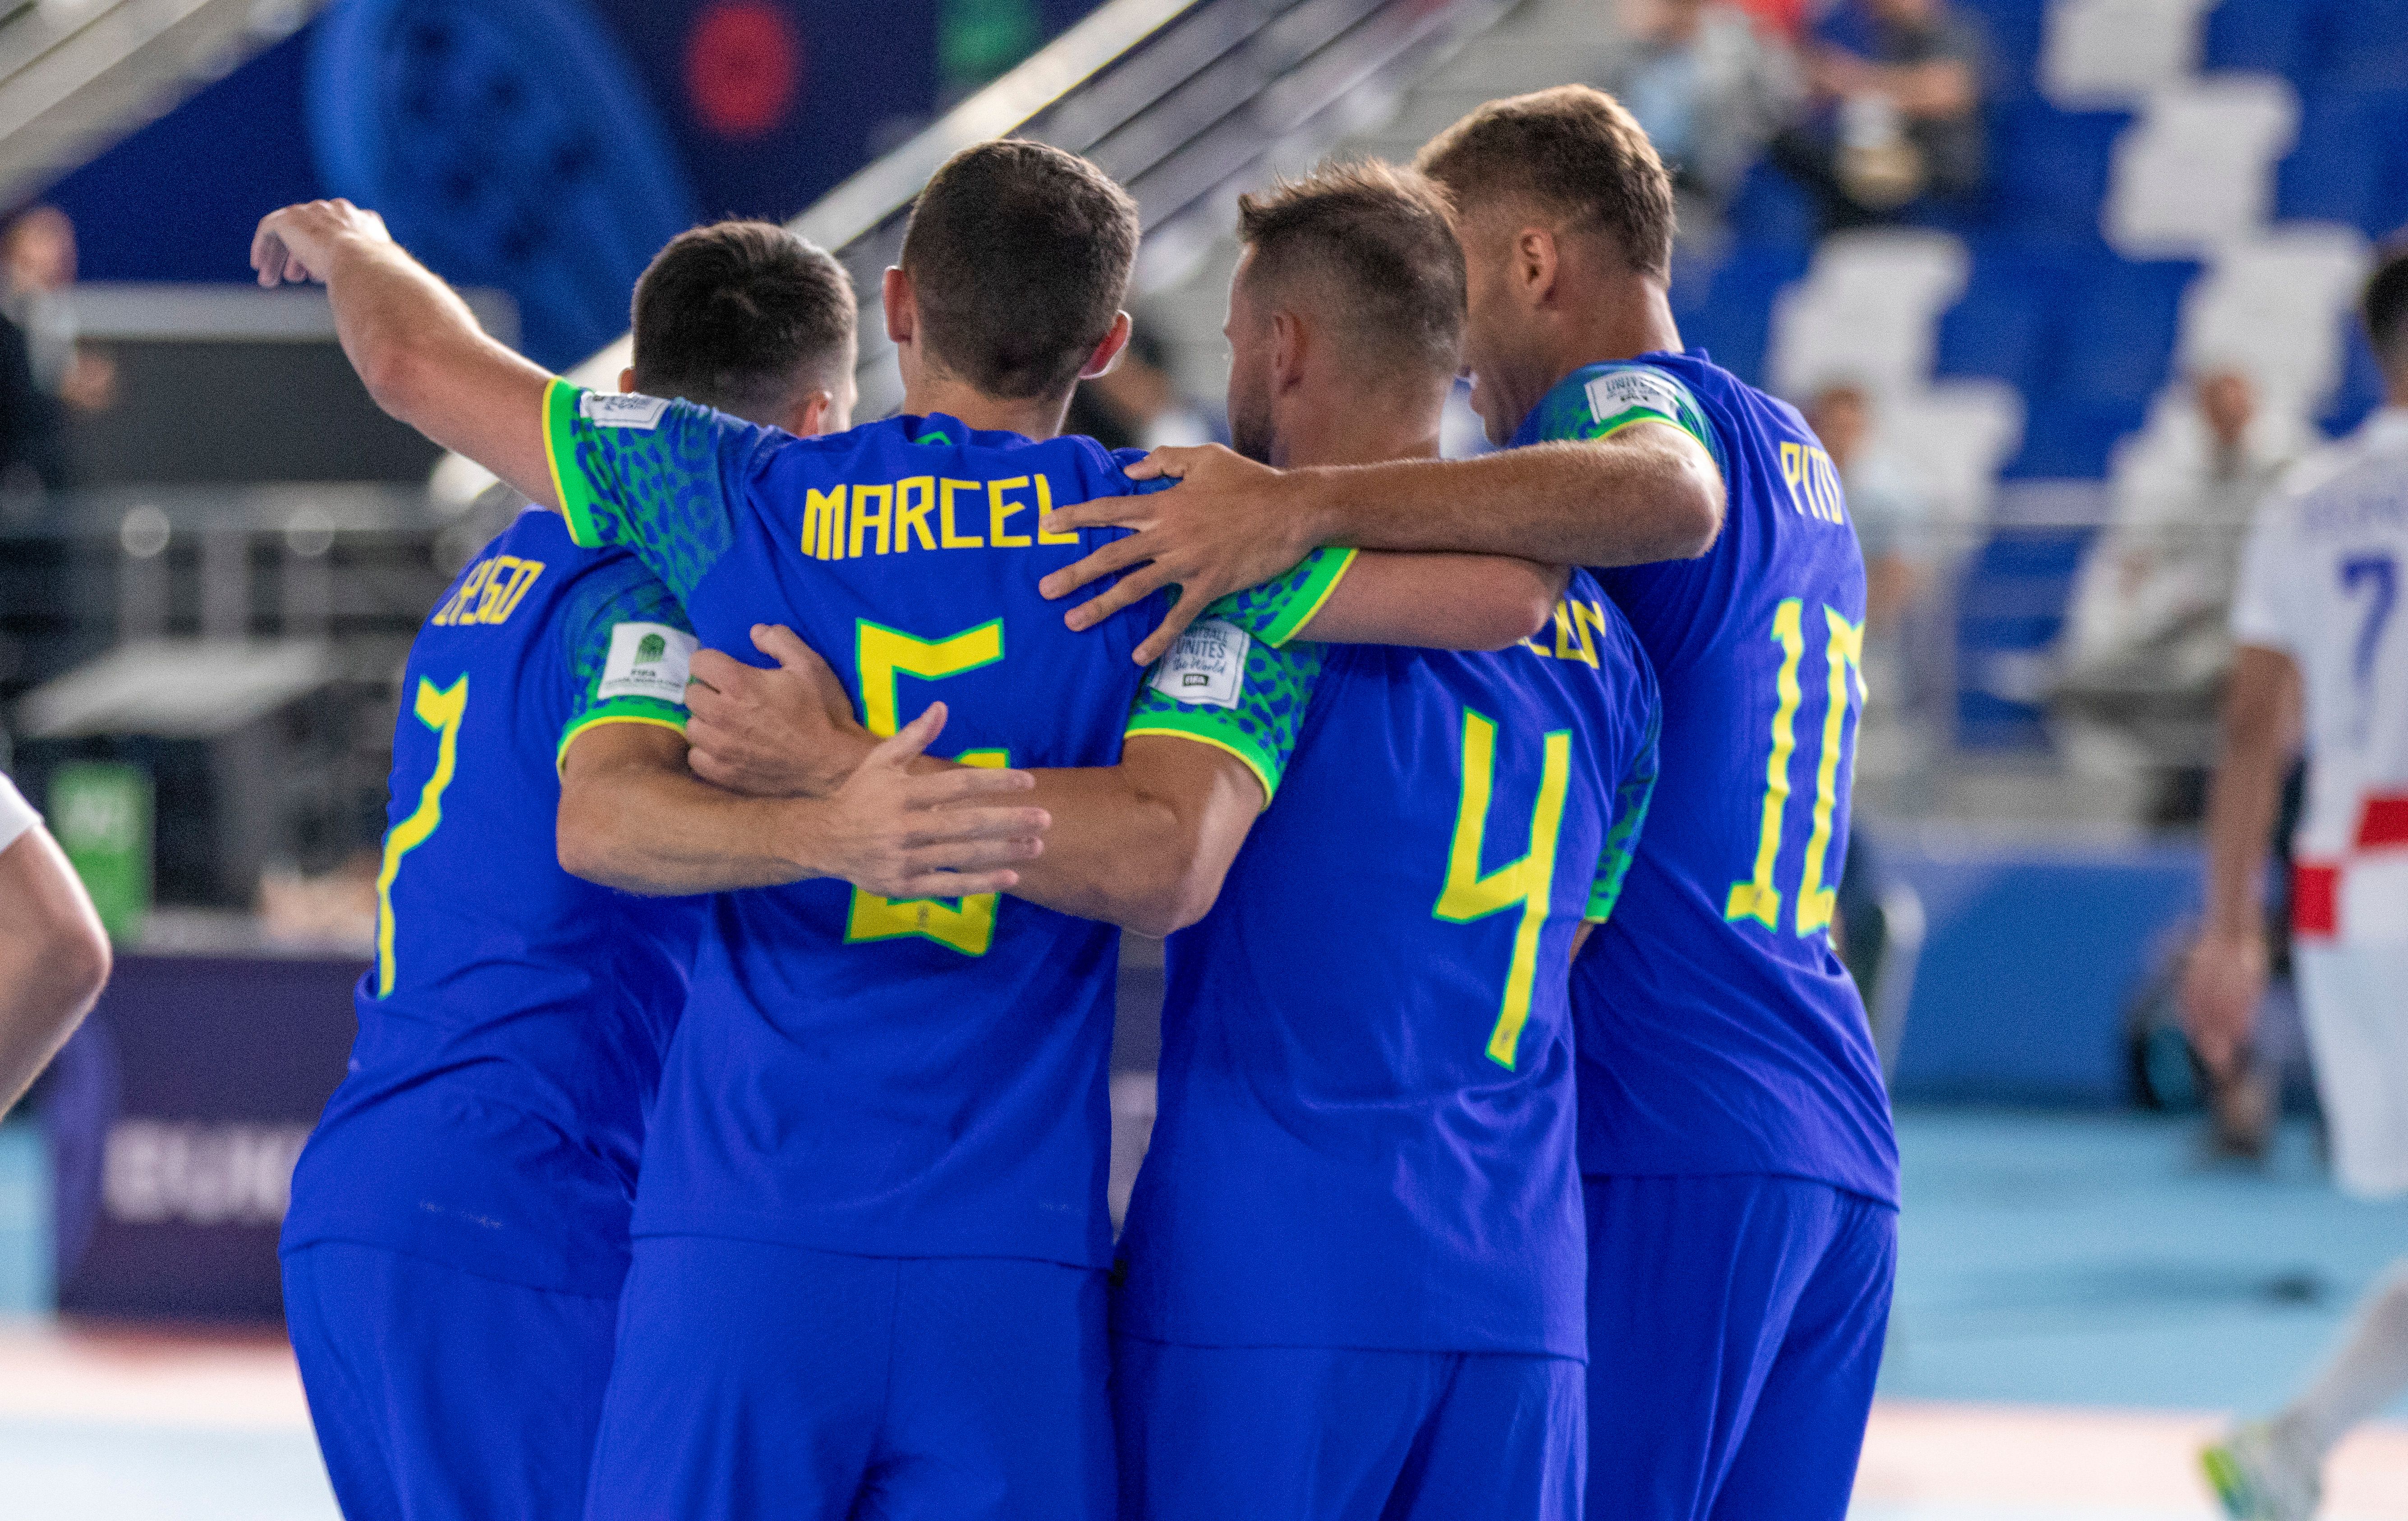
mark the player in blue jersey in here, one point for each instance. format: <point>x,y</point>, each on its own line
<point>1413,1345</point>
<point>458,1229</point>
<point>1735,1140</point>
<point>869,1234</point>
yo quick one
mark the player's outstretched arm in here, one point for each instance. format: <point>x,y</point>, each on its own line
<point>1438,601</point>
<point>55,958</point>
<point>1649,491</point>
<point>1144,845</point>
<point>632,816</point>
<point>2225,977</point>
<point>415,343</point>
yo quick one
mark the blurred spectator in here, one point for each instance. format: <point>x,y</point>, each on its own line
<point>2149,643</point>
<point>1892,518</point>
<point>1710,86</point>
<point>1898,88</point>
<point>1140,405</point>
<point>43,370</point>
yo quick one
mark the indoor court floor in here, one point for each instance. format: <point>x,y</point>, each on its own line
<point>2078,1300</point>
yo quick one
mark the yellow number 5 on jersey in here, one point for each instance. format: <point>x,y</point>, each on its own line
<point>1525,885</point>
<point>885,656</point>
<point>442,710</point>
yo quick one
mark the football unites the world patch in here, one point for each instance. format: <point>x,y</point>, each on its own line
<point>1208,664</point>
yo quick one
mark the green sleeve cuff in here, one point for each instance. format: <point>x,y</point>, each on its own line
<point>577,494</point>
<point>1278,610</point>
<point>620,710</point>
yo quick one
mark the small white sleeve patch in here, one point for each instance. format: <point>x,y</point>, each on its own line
<point>1616,392</point>
<point>613,409</point>
<point>648,660</point>
<point>1208,664</point>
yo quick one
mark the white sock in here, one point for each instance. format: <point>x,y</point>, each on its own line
<point>2365,1372</point>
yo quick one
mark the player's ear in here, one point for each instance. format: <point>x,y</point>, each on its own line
<point>627,379</point>
<point>1288,344</point>
<point>902,307</point>
<point>1535,258</point>
<point>808,418</point>
<point>1108,353</point>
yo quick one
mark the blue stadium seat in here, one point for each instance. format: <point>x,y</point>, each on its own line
<point>2361,384</point>
<point>2068,439</point>
<point>2364,46</point>
<point>2015,28</point>
<point>2010,607</point>
<point>2048,171</point>
<point>2269,36</point>
<point>1771,210</point>
<point>2119,333</point>
<point>1733,316</point>
<point>2003,324</point>
<point>2343,168</point>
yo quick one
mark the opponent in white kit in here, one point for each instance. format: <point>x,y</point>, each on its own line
<point>2324,663</point>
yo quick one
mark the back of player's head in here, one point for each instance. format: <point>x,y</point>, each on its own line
<point>1368,249</point>
<point>742,316</point>
<point>1019,256</point>
<point>2386,310</point>
<point>1571,153</point>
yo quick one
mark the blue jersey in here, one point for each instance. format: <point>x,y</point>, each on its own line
<point>1719,1031</point>
<point>903,1079</point>
<point>1367,1114</point>
<point>512,1031</point>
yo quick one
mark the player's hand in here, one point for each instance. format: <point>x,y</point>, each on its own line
<point>297,244</point>
<point>1231,524</point>
<point>2224,981</point>
<point>784,732</point>
<point>939,834</point>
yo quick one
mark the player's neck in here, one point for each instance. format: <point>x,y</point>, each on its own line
<point>1037,418</point>
<point>1628,316</point>
<point>1369,431</point>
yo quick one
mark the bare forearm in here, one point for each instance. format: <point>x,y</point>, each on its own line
<point>1554,504</point>
<point>54,959</point>
<point>654,832</point>
<point>1438,601</point>
<point>1115,853</point>
<point>423,358</point>
<point>2248,790</point>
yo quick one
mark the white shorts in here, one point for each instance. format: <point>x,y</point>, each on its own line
<point>2353,1000</point>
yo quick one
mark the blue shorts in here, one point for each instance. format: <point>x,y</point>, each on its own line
<point>440,1396</point>
<point>1330,1434</point>
<point>759,1380</point>
<point>1735,1328</point>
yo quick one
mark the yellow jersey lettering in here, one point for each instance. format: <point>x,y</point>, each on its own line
<point>883,519</point>
<point>946,534</point>
<point>1045,509</point>
<point>1571,636</point>
<point>1001,509</point>
<point>466,598</point>
<point>824,523</point>
<point>910,514</point>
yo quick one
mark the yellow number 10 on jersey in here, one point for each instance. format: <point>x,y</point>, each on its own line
<point>1758,897</point>
<point>885,656</point>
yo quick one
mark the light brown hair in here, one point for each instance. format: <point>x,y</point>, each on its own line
<point>1376,241</point>
<point>1571,151</point>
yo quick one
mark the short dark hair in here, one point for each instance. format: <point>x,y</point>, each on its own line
<point>2386,309</point>
<point>731,315</point>
<point>1377,241</point>
<point>1573,151</point>
<point>1019,255</point>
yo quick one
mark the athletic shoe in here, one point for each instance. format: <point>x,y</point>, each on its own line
<point>2259,1478</point>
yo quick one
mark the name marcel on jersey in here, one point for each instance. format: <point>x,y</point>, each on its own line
<point>926,512</point>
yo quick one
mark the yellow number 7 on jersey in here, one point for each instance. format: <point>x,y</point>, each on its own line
<point>885,656</point>
<point>1526,884</point>
<point>441,709</point>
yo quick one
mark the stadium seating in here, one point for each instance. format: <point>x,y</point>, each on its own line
<point>2194,171</point>
<point>2351,161</point>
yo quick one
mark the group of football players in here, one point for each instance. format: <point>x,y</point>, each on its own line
<point>726,1133</point>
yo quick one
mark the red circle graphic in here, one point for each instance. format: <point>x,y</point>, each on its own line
<point>743,67</point>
